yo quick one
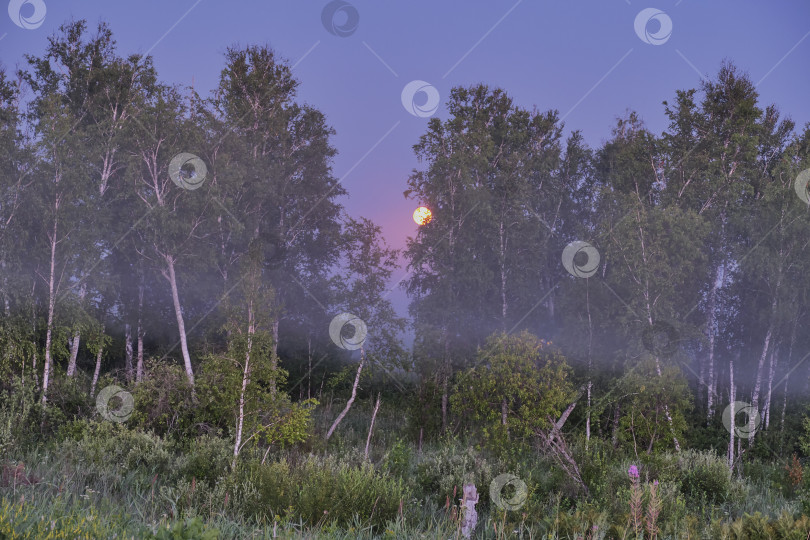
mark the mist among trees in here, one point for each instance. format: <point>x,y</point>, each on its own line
<point>620,328</point>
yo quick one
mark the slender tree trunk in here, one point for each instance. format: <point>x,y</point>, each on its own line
<point>245,381</point>
<point>758,383</point>
<point>6,305</point>
<point>74,343</point>
<point>666,407</point>
<point>128,351</point>
<point>139,364</point>
<point>348,406</point>
<point>711,328</point>
<point>275,342</point>
<point>34,334</point>
<point>46,372</point>
<point>74,353</point>
<point>646,293</point>
<point>789,363</point>
<point>667,413</point>
<point>502,264</point>
<point>97,370</point>
<point>444,373</point>
<point>445,383</point>
<point>590,364</point>
<point>181,327</point>
<point>765,349</point>
<point>732,397</point>
<point>771,370</point>
<point>371,426</point>
<point>309,370</point>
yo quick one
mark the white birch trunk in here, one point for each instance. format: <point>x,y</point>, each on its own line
<point>502,264</point>
<point>74,353</point>
<point>758,383</point>
<point>34,333</point>
<point>140,332</point>
<point>771,371</point>
<point>97,371</point>
<point>348,406</point>
<point>181,326</point>
<point>240,421</point>
<point>371,426</point>
<point>128,351</point>
<point>732,398</point>
<point>46,371</point>
<point>590,363</point>
<point>765,349</point>
<point>711,325</point>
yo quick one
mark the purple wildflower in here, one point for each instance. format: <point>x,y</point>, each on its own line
<point>633,471</point>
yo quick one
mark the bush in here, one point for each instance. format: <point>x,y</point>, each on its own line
<point>449,468</point>
<point>706,477</point>
<point>164,403</point>
<point>17,411</point>
<point>398,460</point>
<point>108,448</point>
<point>206,458</point>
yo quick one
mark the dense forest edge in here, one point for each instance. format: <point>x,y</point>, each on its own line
<point>198,341</point>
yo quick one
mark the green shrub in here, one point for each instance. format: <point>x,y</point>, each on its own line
<point>706,477</point>
<point>448,468</point>
<point>17,412</point>
<point>164,403</point>
<point>112,447</point>
<point>206,458</point>
<point>399,459</point>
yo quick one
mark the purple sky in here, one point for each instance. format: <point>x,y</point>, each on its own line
<point>582,58</point>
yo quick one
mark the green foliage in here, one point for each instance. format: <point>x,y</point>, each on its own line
<point>206,459</point>
<point>705,477</point>
<point>98,445</point>
<point>644,423</point>
<point>699,225</point>
<point>399,459</point>
<point>164,402</point>
<point>444,471</point>
<point>518,384</point>
<point>318,490</point>
<point>17,414</point>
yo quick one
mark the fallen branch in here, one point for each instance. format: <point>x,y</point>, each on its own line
<point>554,443</point>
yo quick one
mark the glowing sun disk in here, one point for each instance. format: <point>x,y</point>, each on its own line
<point>422,215</point>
